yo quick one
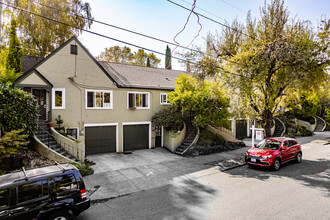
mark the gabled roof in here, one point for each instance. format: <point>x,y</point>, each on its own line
<point>41,61</point>
<point>122,75</point>
<point>27,74</point>
<point>132,76</point>
<point>29,61</point>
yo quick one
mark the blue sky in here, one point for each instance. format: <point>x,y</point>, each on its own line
<point>161,19</point>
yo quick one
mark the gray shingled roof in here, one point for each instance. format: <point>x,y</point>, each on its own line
<point>29,61</point>
<point>132,76</point>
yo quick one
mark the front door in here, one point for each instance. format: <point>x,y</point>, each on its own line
<point>40,95</point>
<point>158,130</point>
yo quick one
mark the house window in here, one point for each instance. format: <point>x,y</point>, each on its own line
<point>73,132</point>
<point>58,98</point>
<point>98,99</point>
<point>138,100</point>
<point>74,49</point>
<point>163,99</point>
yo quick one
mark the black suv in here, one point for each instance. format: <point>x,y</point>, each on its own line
<point>52,192</point>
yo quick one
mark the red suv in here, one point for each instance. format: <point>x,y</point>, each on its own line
<point>272,152</point>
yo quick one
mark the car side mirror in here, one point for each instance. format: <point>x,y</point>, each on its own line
<point>284,148</point>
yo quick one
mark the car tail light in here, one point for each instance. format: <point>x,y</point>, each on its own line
<point>83,194</point>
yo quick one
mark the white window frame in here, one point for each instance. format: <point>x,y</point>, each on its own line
<point>166,102</point>
<point>94,91</point>
<point>63,98</point>
<point>73,128</point>
<point>135,92</point>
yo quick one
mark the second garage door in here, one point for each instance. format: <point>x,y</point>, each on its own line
<point>136,137</point>
<point>100,139</point>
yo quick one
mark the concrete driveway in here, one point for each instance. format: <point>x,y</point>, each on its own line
<point>122,174</point>
<point>148,157</point>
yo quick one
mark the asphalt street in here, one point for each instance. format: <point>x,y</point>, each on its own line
<point>296,191</point>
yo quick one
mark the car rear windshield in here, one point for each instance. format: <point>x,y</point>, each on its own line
<point>269,145</point>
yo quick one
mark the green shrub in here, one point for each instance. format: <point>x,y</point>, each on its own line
<point>327,116</point>
<point>302,131</point>
<point>11,142</point>
<point>207,138</point>
<point>170,118</point>
<point>84,169</point>
<point>18,110</point>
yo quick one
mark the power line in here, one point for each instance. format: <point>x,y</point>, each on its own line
<point>104,36</point>
<point>217,22</point>
<point>233,6</point>
<point>206,11</point>
<point>124,29</point>
<point>184,27</point>
<point>130,31</point>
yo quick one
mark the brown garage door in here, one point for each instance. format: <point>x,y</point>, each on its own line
<point>100,139</point>
<point>136,137</point>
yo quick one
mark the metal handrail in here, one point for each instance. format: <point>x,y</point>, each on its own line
<point>63,145</point>
<point>325,124</point>
<point>192,141</point>
<point>190,135</point>
<point>283,126</point>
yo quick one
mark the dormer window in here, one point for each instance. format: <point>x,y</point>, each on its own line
<point>74,49</point>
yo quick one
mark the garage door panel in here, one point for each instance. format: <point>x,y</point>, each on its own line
<point>100,139</point>
<point>136,137</point>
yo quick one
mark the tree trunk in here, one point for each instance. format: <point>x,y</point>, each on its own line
<point>267,118</point>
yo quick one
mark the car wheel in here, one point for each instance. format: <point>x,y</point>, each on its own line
<point>299,157</point>
<point>60,215</point>
<point>276,164</point>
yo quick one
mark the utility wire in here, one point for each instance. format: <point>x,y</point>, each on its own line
<point>217,22</point>
<point>124,29</point>
<point>185,25</point>
<point>206,11</point>
<point>233,6</point>
<point>104,36</point>
<point>130,31</point>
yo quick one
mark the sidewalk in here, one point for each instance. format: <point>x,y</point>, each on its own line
<point>122,174</point>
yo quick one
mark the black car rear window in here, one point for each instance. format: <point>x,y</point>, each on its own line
<point>29,191</point>
<point>65,183</point>
<point>4,198</point>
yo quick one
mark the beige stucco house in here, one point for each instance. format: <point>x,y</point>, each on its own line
<point>107,106</point>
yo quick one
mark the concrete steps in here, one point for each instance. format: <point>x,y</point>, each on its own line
<point>191,134</point>
<point>44,135</point>
<point>320,124</point>
<point>279,128</point>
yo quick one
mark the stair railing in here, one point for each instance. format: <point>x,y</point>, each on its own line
<point>325,124</point>
<point>77,153</point>
<point>283,126</point>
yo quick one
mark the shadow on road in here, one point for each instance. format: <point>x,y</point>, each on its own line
<point>191,197</point>
<point>315,174</point>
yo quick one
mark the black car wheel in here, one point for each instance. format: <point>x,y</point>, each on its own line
<point>299,157</point>
<point>276,164</point>
<point>60,215</point>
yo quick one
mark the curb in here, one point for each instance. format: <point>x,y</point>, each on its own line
<point>233,167</point>
<point>95,201</point>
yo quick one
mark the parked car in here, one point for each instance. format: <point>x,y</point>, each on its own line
<point>273,152</point>
<point>52,192</point>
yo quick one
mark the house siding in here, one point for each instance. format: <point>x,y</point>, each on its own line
<point>86,74</point>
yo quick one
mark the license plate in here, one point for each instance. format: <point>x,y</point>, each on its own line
<point>253,160</point>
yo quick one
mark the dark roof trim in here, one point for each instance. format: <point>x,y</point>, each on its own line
<point>95,61</point>
<point>28,73</point>
<point>82,46</point>
<point>151,88</point>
